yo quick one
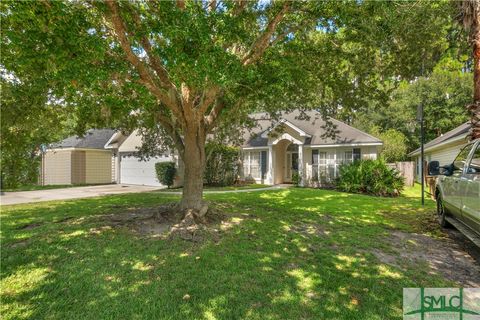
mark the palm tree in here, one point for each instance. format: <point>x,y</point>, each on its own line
<point>470,19</point>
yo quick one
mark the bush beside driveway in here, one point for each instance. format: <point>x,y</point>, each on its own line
<point>279,254</point>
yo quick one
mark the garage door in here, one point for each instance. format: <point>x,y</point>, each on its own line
<point>135,171</point>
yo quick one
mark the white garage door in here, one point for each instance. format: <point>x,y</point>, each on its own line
<point>135,171</point>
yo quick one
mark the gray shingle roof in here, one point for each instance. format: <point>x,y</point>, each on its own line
<point>314,125</point>
<point>458,131</point>
<point>93,139</point>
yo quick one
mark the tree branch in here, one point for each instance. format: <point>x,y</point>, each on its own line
<point>210,96</point>
<point>283,35</point>
<point>167,124</point>
<point>239,7</point>
<point>145,75</point>
<point>181,4</point>
<point>211,119</point>
<point>155,62</point>
<point>263,41</point>
<point>212,5</point>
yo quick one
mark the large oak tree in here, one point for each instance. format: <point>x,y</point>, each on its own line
<point>188,68</point>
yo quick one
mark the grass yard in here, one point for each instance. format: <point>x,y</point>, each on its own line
<point>290,254</point>
<point>33,187</point>
<point>226,188</point>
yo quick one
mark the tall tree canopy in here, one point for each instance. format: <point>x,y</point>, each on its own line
<point>470,19</point>
<point>187,68</point>
<point>28,122</point>
<point>444,94</point>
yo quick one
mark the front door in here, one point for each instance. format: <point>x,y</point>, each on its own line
<point>291,165</point>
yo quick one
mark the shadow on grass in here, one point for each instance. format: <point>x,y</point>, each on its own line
<point>297,254</point>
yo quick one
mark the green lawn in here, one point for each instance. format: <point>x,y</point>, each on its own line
<point>33,187</point>
<point>292,254</point>
<point>227,188</point>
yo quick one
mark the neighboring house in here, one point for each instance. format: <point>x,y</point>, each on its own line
<point>443,149</point>
<point>275,150</point>
<point>79,160</point>
<point>133,170</point>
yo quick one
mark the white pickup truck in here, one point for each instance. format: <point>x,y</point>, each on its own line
<point>458,192</point>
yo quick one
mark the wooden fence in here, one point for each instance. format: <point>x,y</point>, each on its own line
<point>407,171</point>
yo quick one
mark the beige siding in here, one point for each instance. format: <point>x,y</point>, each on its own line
<point>98,167</point>
<point>280,150</point>
<point>132,143</point>
<point>444,156</point>
<point>78,167</point>
<point>334,157</point>
<point>307,158</point>
<point>57,167</point>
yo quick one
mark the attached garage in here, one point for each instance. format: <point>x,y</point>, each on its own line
<point>135,171</point>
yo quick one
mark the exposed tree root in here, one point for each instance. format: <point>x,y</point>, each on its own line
<point>171,221</point>
<point>194,225</point>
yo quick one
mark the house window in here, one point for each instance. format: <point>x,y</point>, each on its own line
<point>246,164</point>
<point>325,165</point>
<point>255,164</point>
<point>315,158</point>
<point>357,154</point>
<point>264,162</point>
<point>319,165</point>
<point>252,164</point>
<point>331,164</point>
<point>322,158</point>
<point>348,156</point>
<point>353,155</point>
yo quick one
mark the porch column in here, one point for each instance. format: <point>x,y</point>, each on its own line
<point>300,164</point>
<point>270,173</point>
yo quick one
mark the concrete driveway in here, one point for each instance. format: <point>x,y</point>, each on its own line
<point>70,193</point>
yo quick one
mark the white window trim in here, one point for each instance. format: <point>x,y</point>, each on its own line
<point>331,159</point>
<point>249,163</point>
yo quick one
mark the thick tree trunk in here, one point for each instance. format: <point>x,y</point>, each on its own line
<point>475,107</point>
<point>476,73</point>
<point>194,161</point>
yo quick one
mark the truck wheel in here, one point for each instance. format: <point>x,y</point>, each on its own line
<point>442,212</point>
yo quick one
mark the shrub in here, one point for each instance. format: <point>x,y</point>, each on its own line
<point>370,177</point>
<point>394,144</point>
<point>296,179</point>
<point>166,172</point>
<point>222,165</point>
<point>250,180</point>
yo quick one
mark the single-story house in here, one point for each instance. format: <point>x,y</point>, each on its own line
<point>443,149</point>
<point>300,144</point>
<point>79,160</point>
<point>134,170</point>
<point>273,152</point>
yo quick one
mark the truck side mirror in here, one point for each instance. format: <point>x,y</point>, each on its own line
<point>446,170</point>
<point>433,168</point>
